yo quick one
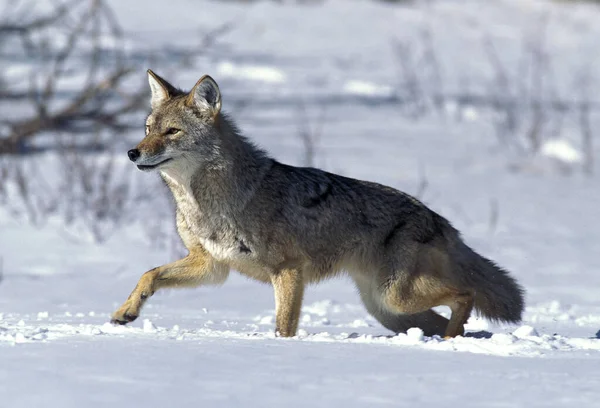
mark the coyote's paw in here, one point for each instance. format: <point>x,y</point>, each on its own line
<point>284,333</point>
<point>126,318</point>
<point>124,315</point>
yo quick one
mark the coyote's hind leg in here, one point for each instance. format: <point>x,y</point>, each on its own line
<point>425,292</point>
<point>461,306</point>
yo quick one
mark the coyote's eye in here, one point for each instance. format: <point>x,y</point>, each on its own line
<point>172,131</point>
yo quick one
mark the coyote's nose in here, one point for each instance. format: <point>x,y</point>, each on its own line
<point>133,154</point>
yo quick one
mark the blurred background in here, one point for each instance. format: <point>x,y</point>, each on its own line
<point>486,111</point>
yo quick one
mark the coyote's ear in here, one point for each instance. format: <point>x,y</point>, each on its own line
<point>161,89</point>
<point>205,95</point>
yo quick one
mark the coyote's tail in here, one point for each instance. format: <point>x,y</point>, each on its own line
<point>498,296</point>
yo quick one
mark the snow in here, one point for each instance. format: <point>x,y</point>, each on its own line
<point>524,341</point>
<point>251,72</point>
<point>562,150</point>
<point>216,346</point>
<point>366,88</point>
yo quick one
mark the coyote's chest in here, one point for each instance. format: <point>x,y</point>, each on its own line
<point>199,227</point>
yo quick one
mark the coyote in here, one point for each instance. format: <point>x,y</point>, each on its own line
<point>238,208</point>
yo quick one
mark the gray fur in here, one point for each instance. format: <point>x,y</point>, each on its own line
<point>261,217</point>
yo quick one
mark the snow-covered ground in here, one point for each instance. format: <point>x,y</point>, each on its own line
<point>332,65</point>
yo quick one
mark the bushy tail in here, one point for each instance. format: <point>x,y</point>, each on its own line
<point>429,321</point>
<point>498,296</point>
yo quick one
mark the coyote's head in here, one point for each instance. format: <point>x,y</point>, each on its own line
<point>182,127</point>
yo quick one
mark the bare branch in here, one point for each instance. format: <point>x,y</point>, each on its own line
<point>310,134</point>
<point>38,23</point>
<point>76,110</point>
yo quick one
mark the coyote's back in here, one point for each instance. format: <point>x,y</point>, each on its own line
<point>289,226</point>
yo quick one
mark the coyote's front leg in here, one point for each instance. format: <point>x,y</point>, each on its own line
<point>289,290</point>
<point>195,269</point>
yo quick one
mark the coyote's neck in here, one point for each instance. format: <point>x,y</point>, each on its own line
<point>225,185</point>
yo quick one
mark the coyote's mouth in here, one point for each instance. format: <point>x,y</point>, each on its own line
<point>152,166</point>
